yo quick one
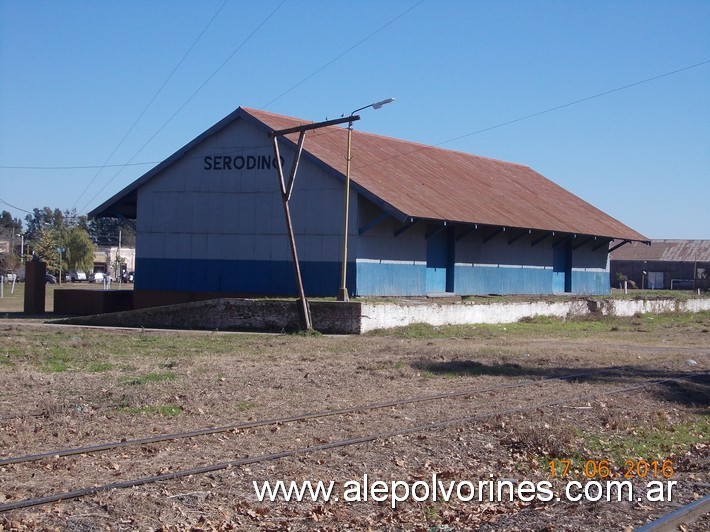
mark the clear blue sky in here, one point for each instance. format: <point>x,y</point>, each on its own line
<point>75,77</point>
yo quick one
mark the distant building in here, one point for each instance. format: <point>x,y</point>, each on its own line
<point>114,261</point>
<point>664,265</point>
<point>9,242</point>
<point>9,245</point>
<point>423,220</point>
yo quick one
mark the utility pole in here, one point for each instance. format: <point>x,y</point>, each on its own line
<point>118,260</point>
<point>286,190</point>
<point>22,248</point>
<point>343,291</point>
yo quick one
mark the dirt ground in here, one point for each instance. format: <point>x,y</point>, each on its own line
<point>65,387</point>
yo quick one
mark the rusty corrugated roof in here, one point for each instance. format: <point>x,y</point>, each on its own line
<point>422,182</point>
<point>669,250</point>
<point>433,183</point>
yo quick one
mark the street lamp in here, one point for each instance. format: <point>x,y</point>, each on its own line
<point>643,276</point>
<point>22,247</point>
<point>343,291</point>
<point>60,251</point>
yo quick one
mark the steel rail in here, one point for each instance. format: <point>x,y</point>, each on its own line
<point>686,514</point>
<point>82,492</point>
<point>282,420</point>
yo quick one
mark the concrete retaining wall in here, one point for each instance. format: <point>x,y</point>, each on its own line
<point>388,315</point>
<point>357,318</point>
<point>233,314</point>
<point>631,307</point>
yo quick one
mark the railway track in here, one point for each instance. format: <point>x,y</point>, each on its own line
<point>527,406</point>
<point>288,419</point>
<point>676,519</point>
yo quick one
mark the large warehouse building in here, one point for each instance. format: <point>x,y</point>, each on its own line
<point>210,220</point>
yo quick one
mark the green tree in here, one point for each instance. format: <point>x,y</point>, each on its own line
<point>55,220</point>
<point>79,249</point>
<point>46,249</point>
<point>8,222</point>
<point>105,232</point>
<point>43,220</point>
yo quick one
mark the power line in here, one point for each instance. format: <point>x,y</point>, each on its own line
<point>549,110</point>
<point>160,89</point>
<point>502,124</point>
<point>309,76</point>
<point>224,63</point>
<point>105,165</point>
<point>13,206</point>
<point>85,167</point>
<point>575,102</point>
<point>120,165</point>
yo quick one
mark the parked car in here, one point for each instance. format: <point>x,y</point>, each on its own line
<point>97,277</point>
<point>77,276</point>
<point>49,278</point>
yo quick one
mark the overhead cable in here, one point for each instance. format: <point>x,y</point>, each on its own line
<point>189,99</point>
<point>147,106</point>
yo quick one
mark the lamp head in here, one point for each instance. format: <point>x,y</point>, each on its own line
<point>381,103</point>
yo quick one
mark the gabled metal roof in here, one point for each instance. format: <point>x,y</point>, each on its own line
<point>669,250</point>
<point>423,182</point>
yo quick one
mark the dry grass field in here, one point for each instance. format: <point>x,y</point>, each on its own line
<point>63,387</point>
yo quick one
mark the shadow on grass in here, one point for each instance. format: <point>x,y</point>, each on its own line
<point>693,391</point>
<point>690,388</point>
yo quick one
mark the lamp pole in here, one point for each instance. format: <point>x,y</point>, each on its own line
<point>343,291</point>
<point>22,247</point>
<point>60,251</point>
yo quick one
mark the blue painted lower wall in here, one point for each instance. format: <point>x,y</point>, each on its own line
<point>393,279</point>
<point>240,276</point>
<point>471,280</point>
<point>364,278</point>
<point>591,283</point>
<point>390,279</point>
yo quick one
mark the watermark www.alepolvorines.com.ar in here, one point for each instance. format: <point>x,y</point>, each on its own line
<point>432,490</point>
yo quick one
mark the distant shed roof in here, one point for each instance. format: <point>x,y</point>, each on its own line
<point>666,250</point>
<point>423,182</point>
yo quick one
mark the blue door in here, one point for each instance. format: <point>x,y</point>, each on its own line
<point>437,258</point>
<point>562,268</point>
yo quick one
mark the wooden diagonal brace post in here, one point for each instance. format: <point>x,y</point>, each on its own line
<point>304,310</point>
<point>286,190</point>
